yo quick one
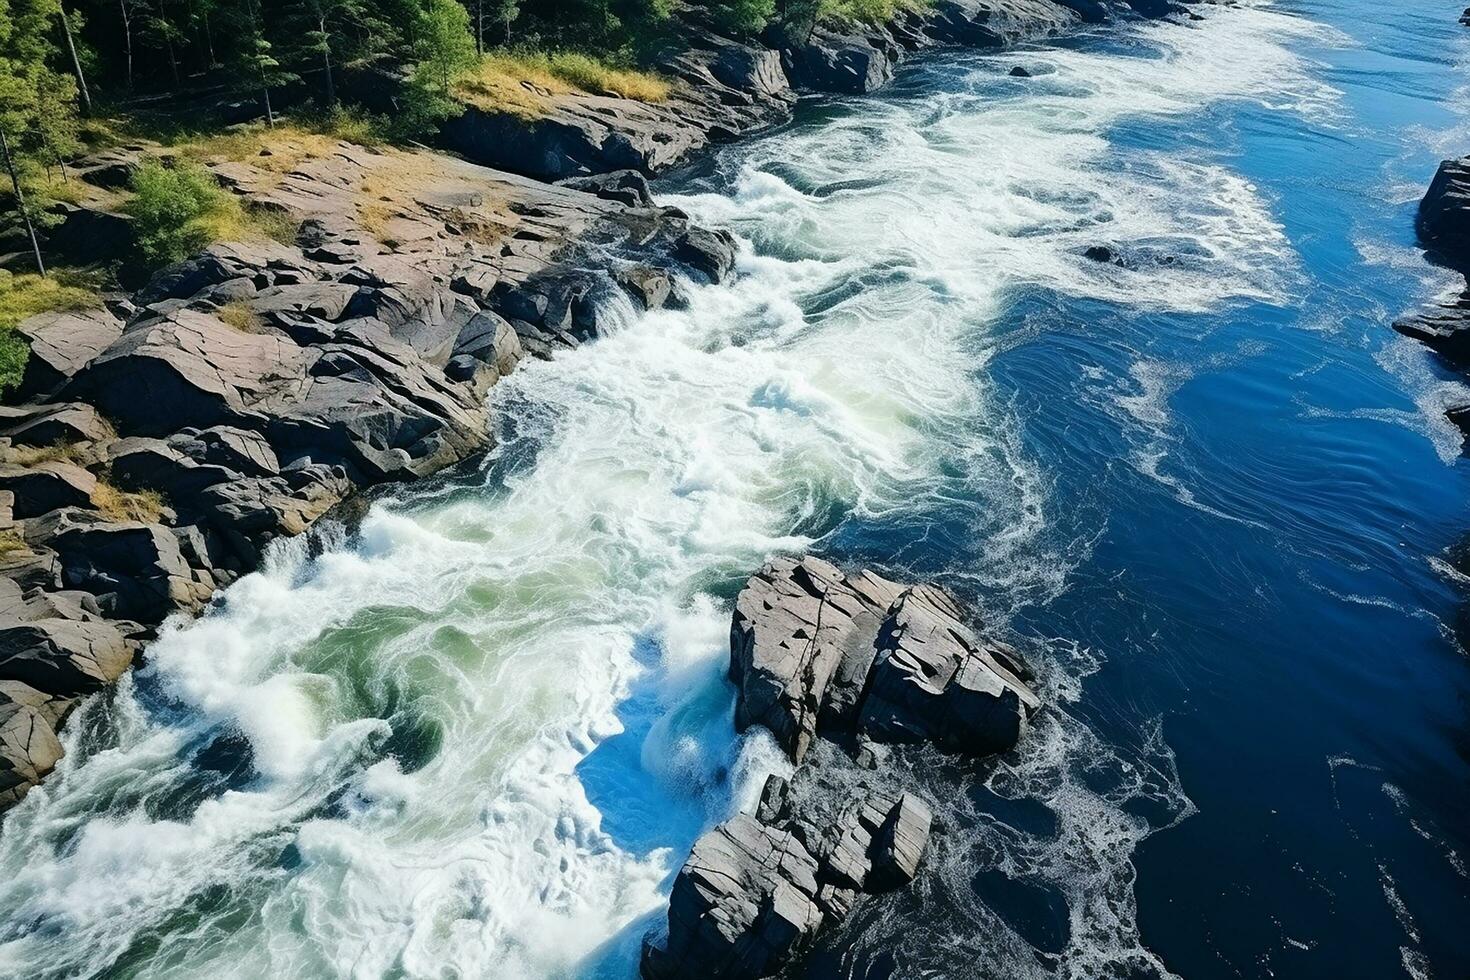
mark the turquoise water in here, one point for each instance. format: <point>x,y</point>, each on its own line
<point>1208,491</point>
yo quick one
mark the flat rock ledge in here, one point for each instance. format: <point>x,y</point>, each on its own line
<point>855,660</point>
<point>167,437</point>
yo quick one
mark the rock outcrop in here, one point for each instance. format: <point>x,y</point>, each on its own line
<point>1443,223</point>
<point>852,659</point>
<point>814,651</point>
<point>757,888</point>
<point>240,395</point>
<point>164,439</point>
<point>1444,213</point>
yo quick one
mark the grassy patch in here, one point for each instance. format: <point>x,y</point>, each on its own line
<point>57,452</point>
<point>867,11</point>
<point>25,295</point>
<point>390,192</point>
<point>12,543</point>
<point>271,223</point>
<point>241,316</point>
<point>125,505</point>
<point>522,82</point>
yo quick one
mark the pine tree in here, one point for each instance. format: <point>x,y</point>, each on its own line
<point>444,47</point>
<point>37,103</point>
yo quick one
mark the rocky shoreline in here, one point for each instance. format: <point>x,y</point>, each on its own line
<point>857,661</point>
<point>163,440</point>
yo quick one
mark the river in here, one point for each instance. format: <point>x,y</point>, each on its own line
<point>1206,490</point>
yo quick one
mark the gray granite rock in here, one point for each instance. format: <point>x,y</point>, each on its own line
<point>756,889</point>
<point>58,424</point>
<point>29,748</point>
<point>62,657</point>
<point>61,344</point>
<point>46,486</point>
<point>934,680</point>
<point>815,651</point>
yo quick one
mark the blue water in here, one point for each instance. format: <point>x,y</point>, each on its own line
<point>1266,570</point>
<point>1209,493</point>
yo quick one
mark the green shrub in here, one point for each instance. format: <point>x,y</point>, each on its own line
<point>744,16</point>
<point>865,11</point>
<point>179,210</point>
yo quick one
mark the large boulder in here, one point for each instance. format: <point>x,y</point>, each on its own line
<point>757,888</point>
<point>800,627</point>
<point>376,408</point>
<point>187,366</point>
<point>814,651</point>
<point>61,344</point>
<point>235,449</point>
<point>29,748</point>
<point>996,23</point>
<point>136,570</point>
<point>1444,213</point>
<point>248,514</point>
<point>143,463</point>
<point>627,187</point>
<point>62,657</point>
<point>934,680</point>
<point>1444,329</point>
<point>47,486</point>
<point>58,424</point>
<point>745,899</point>
<point>843,63</point>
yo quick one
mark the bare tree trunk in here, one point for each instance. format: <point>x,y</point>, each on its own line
<point>168,40</point>
<point>209,39</point>
<point>327,60</point>
<point>173,61</point>
<point>20,203</point>
<point>76,65</point>
<point>270,117</point>
<point>480,28</point>
<point>127,20</point>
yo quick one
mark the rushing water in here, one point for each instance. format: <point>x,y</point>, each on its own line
<point>1209,492</point>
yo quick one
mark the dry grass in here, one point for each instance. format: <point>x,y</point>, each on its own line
<point>272,223</point>
<point>57,452</point>
<point>241,316</point>
<point>126,505</point>
<point>389,192</point>
<point>523,83</point>
<point>233,220</point>
<point>375,216</point>
<point>12,543</point>
<point>279,150</point>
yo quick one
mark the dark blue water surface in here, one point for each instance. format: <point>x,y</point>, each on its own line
<point>1272,587</point>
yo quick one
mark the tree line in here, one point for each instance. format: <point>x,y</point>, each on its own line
<point>63,60</point>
